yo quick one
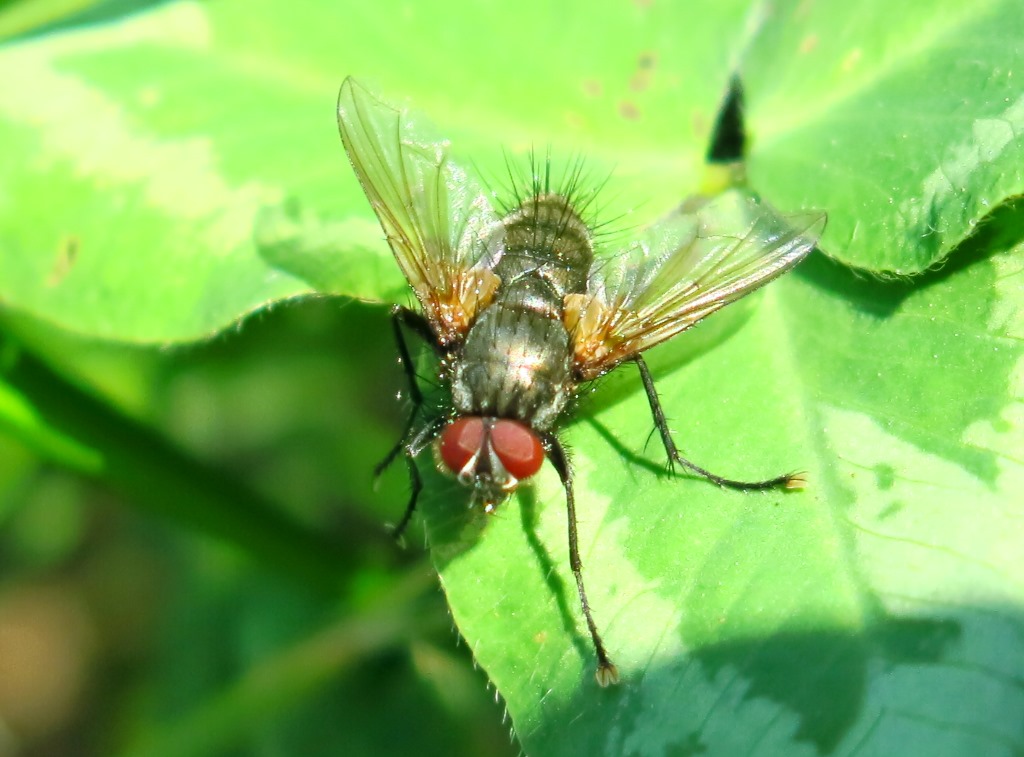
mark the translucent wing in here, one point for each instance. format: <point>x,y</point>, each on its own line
<point>439,222</point>
<point>687,266</point>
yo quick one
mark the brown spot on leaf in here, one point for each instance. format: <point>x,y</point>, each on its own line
<point>629,111</point>
<point>645,66</point>
<point>67,254</point>
<point>809,44</point>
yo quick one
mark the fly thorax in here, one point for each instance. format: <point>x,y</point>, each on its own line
<point>546,236</point>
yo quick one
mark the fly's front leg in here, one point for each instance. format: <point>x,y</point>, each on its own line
<point>412,448</point>
<point>787,481</point>
<point>415,486</point>
<point>412,441</point>
<point>401,316</point>
<point>607,673</point>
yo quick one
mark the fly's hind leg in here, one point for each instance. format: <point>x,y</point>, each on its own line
<point>412,440</point>
<point>786,481</point>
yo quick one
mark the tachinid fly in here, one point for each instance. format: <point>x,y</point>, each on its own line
<point>523,310</point>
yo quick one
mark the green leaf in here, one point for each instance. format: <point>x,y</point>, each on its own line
<point>905,122</point>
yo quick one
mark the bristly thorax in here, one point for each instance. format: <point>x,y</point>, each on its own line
<point>546,237</point>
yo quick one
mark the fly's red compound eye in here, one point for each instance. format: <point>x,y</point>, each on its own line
<point>518,448</point>
<point>460,441</point>
<point>515,445</point>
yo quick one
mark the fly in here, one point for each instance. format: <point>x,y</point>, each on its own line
<point>523,309</point>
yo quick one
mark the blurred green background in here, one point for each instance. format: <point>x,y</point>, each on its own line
<point>116,628</point>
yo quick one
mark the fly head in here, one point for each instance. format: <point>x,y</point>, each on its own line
<point>489,455</point>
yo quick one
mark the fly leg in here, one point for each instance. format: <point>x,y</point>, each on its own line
<point>411,442</point>
<point>787,481</point>
<point>411,450</point>
<point>403,316</point>
<point>607,673</point>
<point>415,485</point>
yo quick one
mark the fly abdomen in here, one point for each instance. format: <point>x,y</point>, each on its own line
<point>515,363</point>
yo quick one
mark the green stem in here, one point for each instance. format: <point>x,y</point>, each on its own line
<point>75,428</point>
